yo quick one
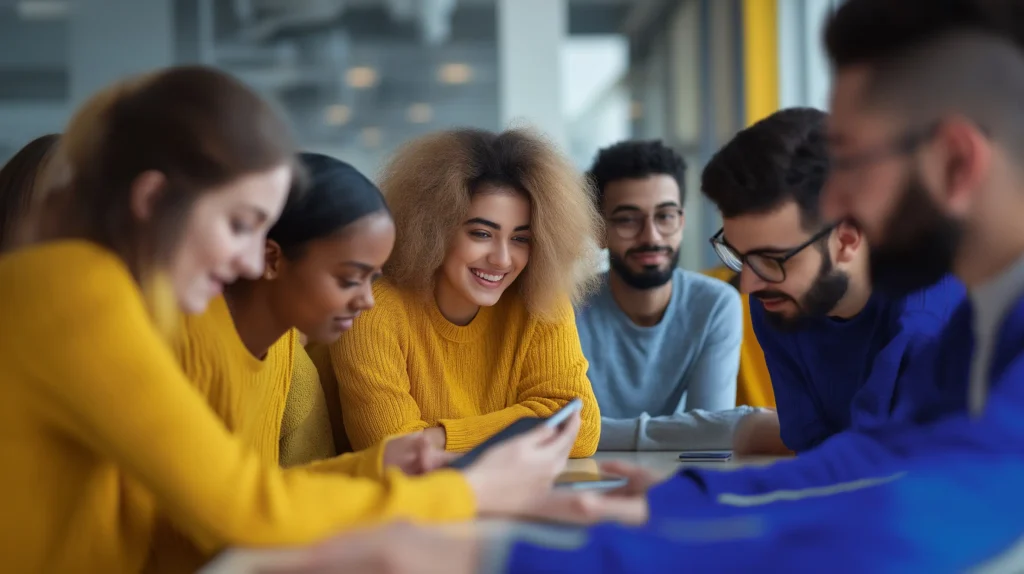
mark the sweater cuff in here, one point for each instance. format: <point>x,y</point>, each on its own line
<point>368,463</point>
<point>461,437</point>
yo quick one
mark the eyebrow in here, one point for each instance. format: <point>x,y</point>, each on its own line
<point>261,216</point>
<point>630,207</point>
<point>493,225</point>
<point>359,265</point>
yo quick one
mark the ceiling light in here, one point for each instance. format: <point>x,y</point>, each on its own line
<point>361,77</point>
<point>419,113</point>
<point>372,137</point>
<point>338,115</point>
<point>42,9</point>
<point>455,73</point>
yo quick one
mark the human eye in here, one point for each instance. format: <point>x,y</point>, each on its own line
<point>348,283</point>
<point>240,226</point>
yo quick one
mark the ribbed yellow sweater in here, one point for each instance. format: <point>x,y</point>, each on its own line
<point>100,426</point>
<point>753,385</point>
<point>249,395</point>
<point>404,368</point>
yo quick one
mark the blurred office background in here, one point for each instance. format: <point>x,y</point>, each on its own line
<point>359,77</point>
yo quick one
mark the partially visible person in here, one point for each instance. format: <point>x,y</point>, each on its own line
<point>20,179</point>
<point>753,384</point>
<point>662,343</point>
<point>838,352</point>
<point>102,431</point>
<point>473,327</point>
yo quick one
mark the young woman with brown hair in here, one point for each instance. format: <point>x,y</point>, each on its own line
<point>20,178</point>
<point>473,326</point>
<point>163,190</point>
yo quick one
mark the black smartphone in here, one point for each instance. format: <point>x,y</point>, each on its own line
<point>521,426</point>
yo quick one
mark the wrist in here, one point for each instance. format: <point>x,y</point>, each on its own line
<point>437,436</point>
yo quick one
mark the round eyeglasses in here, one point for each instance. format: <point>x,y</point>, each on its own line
<point>666,220</point>
<point>769,267</point>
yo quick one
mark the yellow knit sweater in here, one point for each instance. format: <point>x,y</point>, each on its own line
<point>100,427</point>
<point>249,395</point>
<point>306,433</point>
<point>404,368</point>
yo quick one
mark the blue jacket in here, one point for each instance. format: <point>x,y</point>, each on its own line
<point>943,491</point>
<point>831,375</point>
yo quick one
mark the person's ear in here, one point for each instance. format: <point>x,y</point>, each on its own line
<point>146,191</point>
<point>273,258</point>
<point>964,154</point>
<point>850,238</point>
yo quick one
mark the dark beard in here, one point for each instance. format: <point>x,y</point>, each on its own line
<point>920,243</point>
<point>649,278</point>
<point>825,293</point>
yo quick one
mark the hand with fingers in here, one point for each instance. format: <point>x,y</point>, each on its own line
<point>416,453</point>
<point>512,476</point>
<point>627,504</point>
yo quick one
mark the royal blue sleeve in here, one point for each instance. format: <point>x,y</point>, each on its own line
<point>908,359</point>
<point>998,431</point>
<point>943,517</point>
<point>905,369</point>
<point>800,421</point>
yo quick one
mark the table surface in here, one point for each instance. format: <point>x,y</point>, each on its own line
<point>245,561</point>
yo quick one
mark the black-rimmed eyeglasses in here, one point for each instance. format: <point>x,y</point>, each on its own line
<point>768,266</point>
<point>667,220</point>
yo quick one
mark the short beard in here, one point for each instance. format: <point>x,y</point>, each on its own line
<point>920,243</point>
<point>829,287</point>
<point>649,278</point>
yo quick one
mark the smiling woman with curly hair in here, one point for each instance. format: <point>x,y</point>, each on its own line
<point>473,326</point>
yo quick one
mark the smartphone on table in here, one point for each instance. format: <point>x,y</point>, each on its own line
<point>521,426</point>
<point>706,456</point>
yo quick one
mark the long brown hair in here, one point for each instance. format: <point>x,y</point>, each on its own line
<point>199,127</point>
<point>430,182</point>
<point>20,181</point>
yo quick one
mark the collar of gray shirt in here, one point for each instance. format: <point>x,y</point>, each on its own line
<point>990,303</point>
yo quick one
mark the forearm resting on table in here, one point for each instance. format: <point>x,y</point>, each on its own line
<point>693,430</point>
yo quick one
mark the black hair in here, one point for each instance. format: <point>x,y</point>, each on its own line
<point>636,160</point>
<point>778,159</point>
<point>335,195</point>
<point>929,58</point>
<point>870,31</point>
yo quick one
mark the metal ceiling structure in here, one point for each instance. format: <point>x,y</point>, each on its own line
<point>370,72</point>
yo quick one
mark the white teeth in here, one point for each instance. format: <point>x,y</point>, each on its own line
<point>488,277</point>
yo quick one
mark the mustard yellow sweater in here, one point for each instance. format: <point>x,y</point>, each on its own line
<point>100,427</point>
<point>255,398</point>
<point>753,385</point>
<point>404,368</point>
<point>306,432</point>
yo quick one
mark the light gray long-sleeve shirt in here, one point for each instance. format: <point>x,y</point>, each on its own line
<point>671,386</point>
